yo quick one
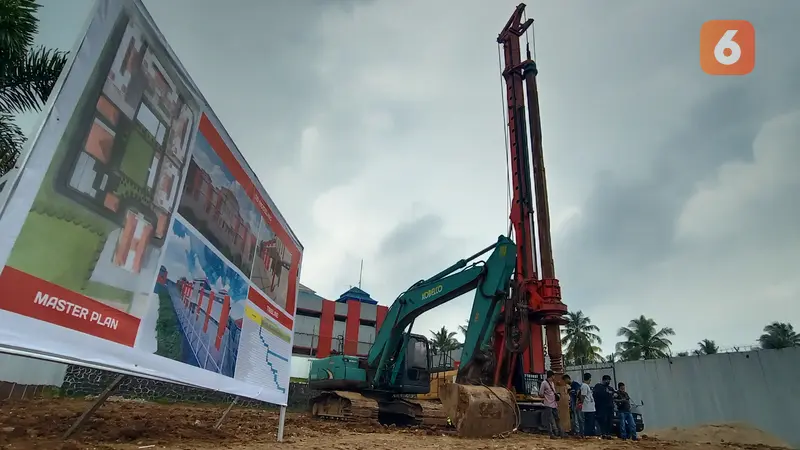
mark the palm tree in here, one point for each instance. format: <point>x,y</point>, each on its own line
<point>706,347</point>
<point>443,340</point>
<point>643,340</point>
<point>27,74</point>
<point>581,340</point>
<point>679,354</point>
<point>611,358</point>
<point>463,328</point>
<point>779,335</point>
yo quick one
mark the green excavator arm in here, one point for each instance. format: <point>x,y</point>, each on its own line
<point>490,281</point>
<point>387,361</point>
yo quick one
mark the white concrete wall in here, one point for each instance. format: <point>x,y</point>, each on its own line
<point>757,387</point>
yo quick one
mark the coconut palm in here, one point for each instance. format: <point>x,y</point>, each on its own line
<point>643,340</point>
<point>27,74</point>
<point>580,339</point>
<point>779,335</point>
<point>443,340</point>
<point>463,328</point>
<point>706,347</point>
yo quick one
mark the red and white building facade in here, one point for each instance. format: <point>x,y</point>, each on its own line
<point>344,326</point>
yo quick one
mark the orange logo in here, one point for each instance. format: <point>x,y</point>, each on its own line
<point>727,47</point>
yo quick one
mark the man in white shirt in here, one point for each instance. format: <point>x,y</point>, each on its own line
<point>547,391</point>
<point>588,407</point>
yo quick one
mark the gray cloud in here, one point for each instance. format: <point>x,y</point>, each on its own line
<point>376,127</point>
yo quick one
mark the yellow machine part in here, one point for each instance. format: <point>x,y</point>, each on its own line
<point>480,411</point>
<point>438,381</point>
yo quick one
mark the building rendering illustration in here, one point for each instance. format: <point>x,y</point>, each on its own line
<point>217,212</point>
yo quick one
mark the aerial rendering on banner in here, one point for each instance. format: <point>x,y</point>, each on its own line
<point>137,237</point>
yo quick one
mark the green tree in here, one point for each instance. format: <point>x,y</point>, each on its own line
<point>643,340</point>
<point>610,358</point>
<point>463,328</point>
<point>27,74</point>
<point>706,347</point>
<point>580,339</point>
<point>443,340</point>
<point>779,335</point>
<point>679,354</point>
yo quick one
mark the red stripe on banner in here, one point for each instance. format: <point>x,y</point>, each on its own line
<point>216,141</point>
<point>39,299</point>
<point>266,305</point>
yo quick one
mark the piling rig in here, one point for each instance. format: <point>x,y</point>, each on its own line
<point>535,303</point>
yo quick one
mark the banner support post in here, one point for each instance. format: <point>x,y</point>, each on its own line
<point>281,423</point>
<point>225,414</point>
<point>95,406</point>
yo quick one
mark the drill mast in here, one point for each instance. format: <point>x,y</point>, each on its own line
<point>536,300</point>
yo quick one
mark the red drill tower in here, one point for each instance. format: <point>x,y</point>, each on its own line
<point>536,295</point>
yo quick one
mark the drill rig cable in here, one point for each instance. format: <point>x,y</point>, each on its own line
<point>505,135</point>
<point>530,35</point>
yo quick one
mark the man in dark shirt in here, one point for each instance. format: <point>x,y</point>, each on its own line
<point>604,399</point>
<point>627,426</point>
<point>575,415</point>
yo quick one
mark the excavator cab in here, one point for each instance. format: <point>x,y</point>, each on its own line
<point>414,378</point>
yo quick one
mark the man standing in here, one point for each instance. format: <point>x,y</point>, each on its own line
<point>548,391</point>
<point>574,412</point>
<point>587,406</point>
<point>604,402</point>
<point>627,426</point>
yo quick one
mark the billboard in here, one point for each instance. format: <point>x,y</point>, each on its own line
<point>136,238</point>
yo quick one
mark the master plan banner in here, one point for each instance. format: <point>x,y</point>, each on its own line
<point>136,238</point>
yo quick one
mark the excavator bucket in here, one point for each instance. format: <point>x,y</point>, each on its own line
<point>480,411</point>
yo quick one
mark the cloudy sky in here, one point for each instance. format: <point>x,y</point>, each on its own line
<point>377,128</point>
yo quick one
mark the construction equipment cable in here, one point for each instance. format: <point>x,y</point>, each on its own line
<point>530,34</point>
<point>505,134</point>
<point>514,409</point>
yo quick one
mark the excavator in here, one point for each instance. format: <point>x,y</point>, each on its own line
<point>399,363</point>
<point>516,315</point>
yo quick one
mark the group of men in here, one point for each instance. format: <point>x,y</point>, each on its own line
<point>591,408</point>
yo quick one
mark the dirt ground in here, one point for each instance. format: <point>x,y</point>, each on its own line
<point>37,424</point>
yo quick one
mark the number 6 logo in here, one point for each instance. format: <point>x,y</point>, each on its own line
<point>727,51</point>
<point>727,47</point>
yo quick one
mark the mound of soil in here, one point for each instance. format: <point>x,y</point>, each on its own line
<point>40,423</point>
<point>725,433</point>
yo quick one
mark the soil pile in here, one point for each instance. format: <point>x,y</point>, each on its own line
<point>726,433</point>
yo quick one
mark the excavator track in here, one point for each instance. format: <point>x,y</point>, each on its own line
<point>347,406</point>
<point>355,407</point>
